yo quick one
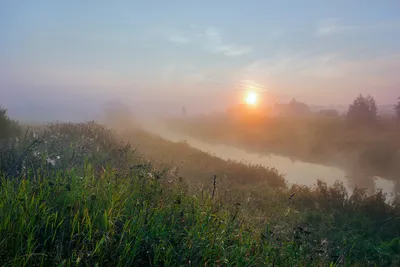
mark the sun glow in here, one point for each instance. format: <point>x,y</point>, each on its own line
<point>251,98</point>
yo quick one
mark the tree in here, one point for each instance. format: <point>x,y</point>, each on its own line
<point>8,127</point>
<point>295,108</point>
<point>397,109</point>
<point>184,111</point>
<point>363,110</point>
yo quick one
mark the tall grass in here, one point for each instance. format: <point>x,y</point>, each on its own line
<point>80,197</point>
<point>325,140</point>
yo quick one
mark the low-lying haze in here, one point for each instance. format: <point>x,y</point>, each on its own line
<point>160,55</point>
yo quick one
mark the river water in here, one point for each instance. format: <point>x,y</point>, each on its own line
<point>295,172</point>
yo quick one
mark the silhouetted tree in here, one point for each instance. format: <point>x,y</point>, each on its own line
<point>397,109</point>
<point>184,111</point>
<point>8,127</point>
<point>295,108</point>
<point>363,109</point>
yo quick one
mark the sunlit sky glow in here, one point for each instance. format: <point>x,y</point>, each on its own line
<point>251,98</point>
<point>198,53</point>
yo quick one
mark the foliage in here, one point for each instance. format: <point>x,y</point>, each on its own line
<point>397,109</point>
<point>293,108</point>
<point>8,127</point>
<point>363,110</point>
<point>331,140</point>
<point>111,207</point>
<point>63,146</point>
<point>198,166</point>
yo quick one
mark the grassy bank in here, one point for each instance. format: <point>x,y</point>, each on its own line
<point>316,139</point>
<point>75,195</point>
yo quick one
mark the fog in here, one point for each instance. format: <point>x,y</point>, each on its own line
<point>194,133</point>
<point>200,55</point>
<point>76,61</point>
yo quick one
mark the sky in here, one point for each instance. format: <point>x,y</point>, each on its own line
<point>202,54</point>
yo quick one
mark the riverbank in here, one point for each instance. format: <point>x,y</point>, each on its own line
<point>81,195</point>
<point>362,151</point>
<point>295,172</point>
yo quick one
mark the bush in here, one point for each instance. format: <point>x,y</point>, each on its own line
<point>8,127</point>
<point>363,110</point>
<point>64,146</point>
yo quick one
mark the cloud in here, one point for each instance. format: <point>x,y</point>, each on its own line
<point>327,70</point>
<point>213,34</point>
<point>180,40</point>
<point>326,78</point>
<point>215,44</point>
<point>210,40</point>
<point>328,27</point>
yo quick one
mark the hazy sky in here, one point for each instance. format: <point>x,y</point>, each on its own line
<point>167,53</point>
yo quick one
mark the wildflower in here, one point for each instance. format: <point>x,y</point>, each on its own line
<point>51,161</point>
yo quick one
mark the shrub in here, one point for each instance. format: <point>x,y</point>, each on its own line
<point>8,127</point>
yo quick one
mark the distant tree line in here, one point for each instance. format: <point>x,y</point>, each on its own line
<point>364,110</point>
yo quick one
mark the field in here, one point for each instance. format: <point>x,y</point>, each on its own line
<point>84,195</point>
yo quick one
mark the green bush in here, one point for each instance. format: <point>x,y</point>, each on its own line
<point>8,127</point>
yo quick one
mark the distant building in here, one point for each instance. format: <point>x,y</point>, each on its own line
<point>293,108</point>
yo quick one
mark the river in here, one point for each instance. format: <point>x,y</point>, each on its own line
<point>295,172</point>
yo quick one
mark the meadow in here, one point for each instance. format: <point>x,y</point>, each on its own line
<point>84,195</point>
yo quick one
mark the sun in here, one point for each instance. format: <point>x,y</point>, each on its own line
<point>251,98</point>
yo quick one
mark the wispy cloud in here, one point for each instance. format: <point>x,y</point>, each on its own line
<point>211,40</point>
<point>374,71</point>
<point>178,39</point>
<point>332,26</point>
<point>217,45</point>
<point>326,78</point>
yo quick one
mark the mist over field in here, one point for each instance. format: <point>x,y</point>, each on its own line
<point>199,133</point>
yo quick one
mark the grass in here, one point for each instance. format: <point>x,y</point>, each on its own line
<point>81,197</point>
<point>198,167</point>
<point>83,221</point>
<point>326,140</point>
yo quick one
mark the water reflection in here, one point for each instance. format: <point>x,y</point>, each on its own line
<point>295,172</point>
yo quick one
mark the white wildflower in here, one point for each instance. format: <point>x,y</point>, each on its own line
<point>51,161</point>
